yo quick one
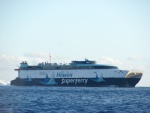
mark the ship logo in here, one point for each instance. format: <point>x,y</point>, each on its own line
<point>98,78</point>
<point>49,81</point>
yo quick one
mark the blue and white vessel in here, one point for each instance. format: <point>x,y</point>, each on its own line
<point>77,73</point>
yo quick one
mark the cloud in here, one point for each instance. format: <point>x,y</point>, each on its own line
<point>123,64</point>
<point>36,55</point>
<point>110,61</point>
<point>136,62</point>
<point>134,57</point>
<point>31,58</point>
<point>7,60</point>
<point>35,58</point>
<point>135,67</point>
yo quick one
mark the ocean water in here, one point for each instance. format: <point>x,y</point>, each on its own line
<point>14,99</point>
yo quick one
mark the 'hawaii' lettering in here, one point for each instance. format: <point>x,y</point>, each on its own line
<point>74,81</point>
<point>64,75</point>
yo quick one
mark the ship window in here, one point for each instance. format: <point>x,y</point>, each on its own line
<point>105,67</point>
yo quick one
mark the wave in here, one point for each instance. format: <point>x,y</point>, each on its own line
<point>3,83</point>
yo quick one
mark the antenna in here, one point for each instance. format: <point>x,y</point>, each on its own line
<point>49,57</point>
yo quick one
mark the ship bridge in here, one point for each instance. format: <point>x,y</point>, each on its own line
<point>86,61</point>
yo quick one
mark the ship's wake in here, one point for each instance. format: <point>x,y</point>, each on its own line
<point>3,83</point>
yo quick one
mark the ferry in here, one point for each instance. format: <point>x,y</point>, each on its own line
<point>86,73</point>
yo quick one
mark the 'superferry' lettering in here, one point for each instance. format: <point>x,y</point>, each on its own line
<point>74,81</point>
<point>64,75</point>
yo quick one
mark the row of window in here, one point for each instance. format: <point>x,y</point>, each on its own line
<point>75,67</point>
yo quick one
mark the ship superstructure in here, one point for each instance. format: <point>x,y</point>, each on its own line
<point>77,73</point>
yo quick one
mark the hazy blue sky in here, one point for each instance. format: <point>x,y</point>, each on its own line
<point>109,31</point>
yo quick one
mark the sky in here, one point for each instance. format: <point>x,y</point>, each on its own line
<point>115,32</point>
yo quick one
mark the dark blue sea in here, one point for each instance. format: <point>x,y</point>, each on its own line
<point>14,99</point>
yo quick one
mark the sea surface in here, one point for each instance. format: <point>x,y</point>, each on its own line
<point>15,99</point>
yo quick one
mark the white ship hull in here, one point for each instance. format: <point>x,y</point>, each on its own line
<point>93,77</point>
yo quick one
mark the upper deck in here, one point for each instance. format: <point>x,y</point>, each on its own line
<point>86,64</point>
